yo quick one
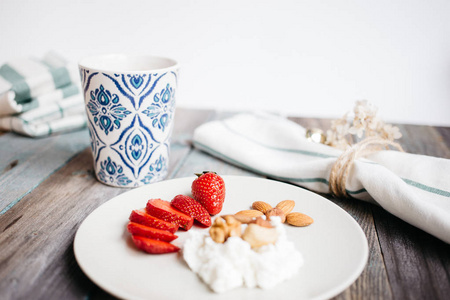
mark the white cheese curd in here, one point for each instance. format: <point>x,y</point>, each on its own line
<point>233,264</point>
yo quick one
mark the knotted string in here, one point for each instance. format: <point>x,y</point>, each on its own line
<point>341,168</point>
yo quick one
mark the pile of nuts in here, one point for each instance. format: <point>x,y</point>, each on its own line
<point>282,210</point>
<point>259,231</point>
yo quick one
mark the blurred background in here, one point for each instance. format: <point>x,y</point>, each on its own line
<point>299,58</point>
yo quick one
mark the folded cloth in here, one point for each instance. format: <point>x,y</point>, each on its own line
<point>62,116</point>
<point>415,188</point>
<point>40,97</point>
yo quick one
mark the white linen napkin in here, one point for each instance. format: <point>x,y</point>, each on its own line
<point>415,188</point>
<point>40,97</point>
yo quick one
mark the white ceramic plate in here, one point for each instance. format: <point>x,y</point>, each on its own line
<point>334,247</point>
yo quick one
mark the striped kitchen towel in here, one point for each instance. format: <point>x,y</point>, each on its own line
<point>415,188</point>
<point>40,97</point>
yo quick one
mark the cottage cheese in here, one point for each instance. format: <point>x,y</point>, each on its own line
<point>233,264</point>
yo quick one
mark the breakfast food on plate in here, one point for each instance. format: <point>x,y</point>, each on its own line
<point>249,248</point>
<point>260,257</point>
<point>209,190</point>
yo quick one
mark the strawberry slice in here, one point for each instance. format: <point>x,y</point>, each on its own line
<point>162,209</point>
<point>153,246</point>
<point>191,207</point>
<point>150,232</point>
<point>142,217</point>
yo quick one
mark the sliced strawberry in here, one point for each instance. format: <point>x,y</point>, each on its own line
<point>162,209</point>
<point>191,207</point>
<point>153,246</point>
<point>142,217</point>
<point>150,232</point>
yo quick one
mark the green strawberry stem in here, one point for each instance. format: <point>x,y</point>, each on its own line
<point>204,172</point>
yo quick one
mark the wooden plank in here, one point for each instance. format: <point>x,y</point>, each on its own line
<point>424,140</point>
<point>417,263</point>
<point>445,135</point>
<point>26,162</point>
<point>309,123</point>
<point>36,261</point>
<point>373,282</point>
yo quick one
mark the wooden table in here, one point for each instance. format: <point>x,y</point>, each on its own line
<point>47,188</point>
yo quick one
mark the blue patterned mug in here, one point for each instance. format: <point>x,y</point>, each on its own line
<point>130,105</point>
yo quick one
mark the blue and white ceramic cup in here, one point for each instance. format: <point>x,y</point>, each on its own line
<point>130,106</point>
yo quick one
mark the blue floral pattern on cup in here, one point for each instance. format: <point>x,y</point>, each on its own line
<point>110,172</point>
<point>161,108</point>
<point>155,170</point>
<point>106,110</point>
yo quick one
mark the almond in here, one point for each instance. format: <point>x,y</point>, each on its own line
<point>276,212</point>
<point>286,206</point>
<point>252,213</point>
<point>299,219</point>
<point>244,219</point>
<point>261,206</point>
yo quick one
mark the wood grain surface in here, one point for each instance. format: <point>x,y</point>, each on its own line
<point>48,188</point>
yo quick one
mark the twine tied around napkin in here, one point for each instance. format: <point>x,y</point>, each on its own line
<point>341,168</point>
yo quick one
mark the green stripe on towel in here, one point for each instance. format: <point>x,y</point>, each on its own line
<point>427,188</point>
<point>30,105</point>
<point>60,76</point>
<point>19,85</point>
<point>69,90</point>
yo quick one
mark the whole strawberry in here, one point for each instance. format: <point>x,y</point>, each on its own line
<point>209,190</point>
